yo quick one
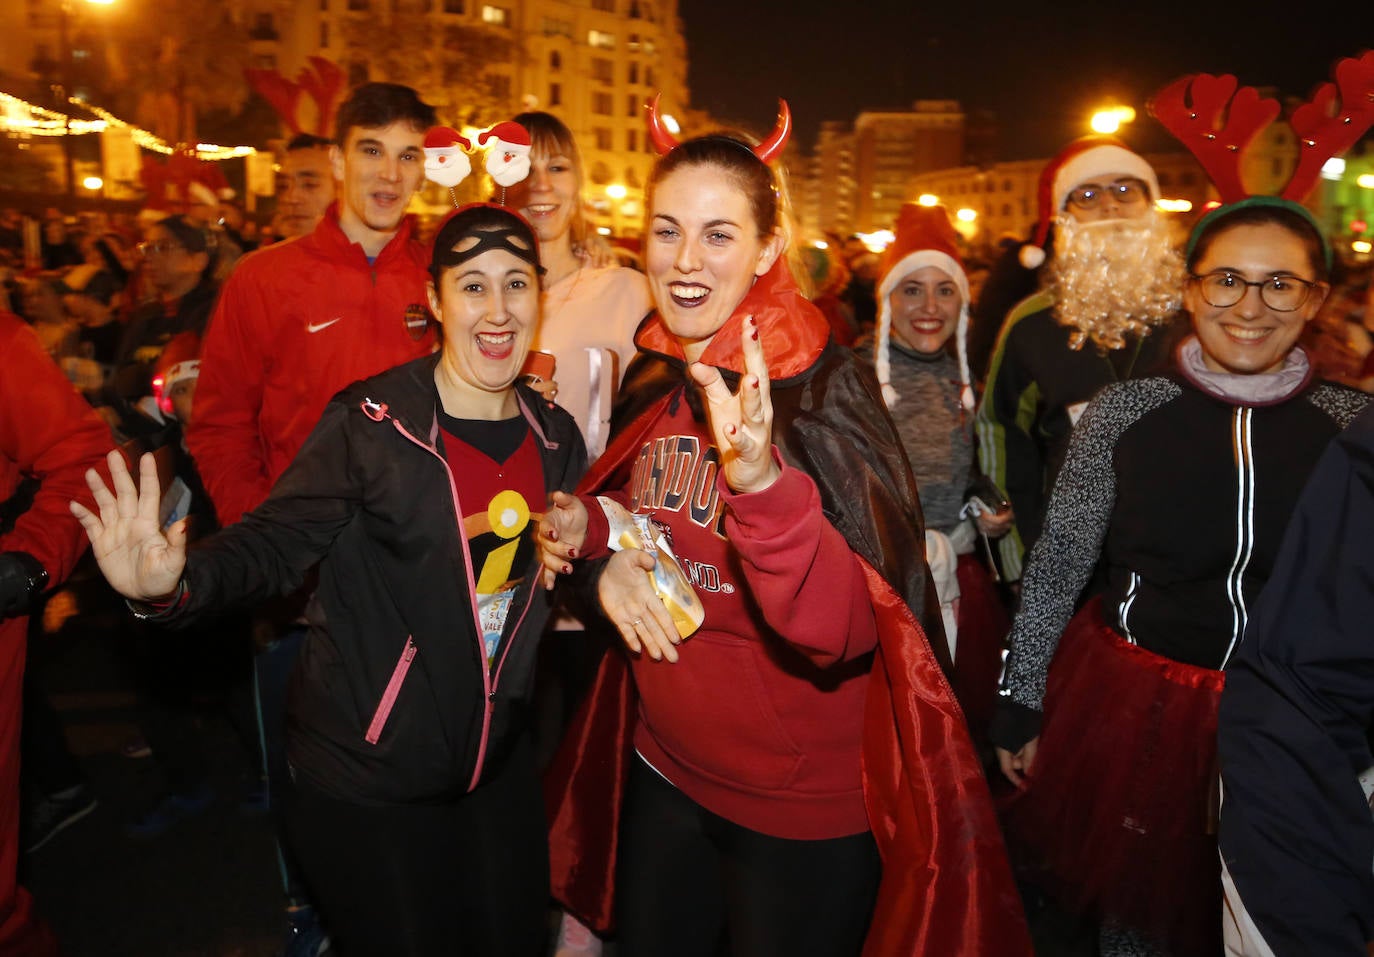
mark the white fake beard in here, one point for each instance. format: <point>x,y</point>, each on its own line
<point>1115,278</point>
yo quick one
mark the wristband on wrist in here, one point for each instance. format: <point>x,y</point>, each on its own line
<point>161,607</point>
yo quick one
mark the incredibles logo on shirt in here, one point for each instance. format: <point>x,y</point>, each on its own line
<point>416,320</point>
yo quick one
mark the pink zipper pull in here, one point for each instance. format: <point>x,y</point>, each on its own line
<point>376,411</point>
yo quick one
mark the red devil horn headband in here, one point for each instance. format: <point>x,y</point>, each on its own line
<point>1192,109</point>
<point>770,149</point>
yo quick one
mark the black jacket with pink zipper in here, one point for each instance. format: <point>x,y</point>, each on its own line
<point>390,702</point>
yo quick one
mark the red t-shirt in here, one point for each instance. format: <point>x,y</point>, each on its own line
<point>500,479</point>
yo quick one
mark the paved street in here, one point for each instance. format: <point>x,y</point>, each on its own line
<point>207,887</point>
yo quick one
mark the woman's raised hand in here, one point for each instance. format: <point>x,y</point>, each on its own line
<point>560,537</point>
<point>134,556</point>
<point>742,422</point>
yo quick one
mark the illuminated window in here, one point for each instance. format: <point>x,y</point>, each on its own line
<point>497,16</point>
<point>600,39</point>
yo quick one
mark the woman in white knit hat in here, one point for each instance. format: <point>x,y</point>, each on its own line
<point>920,356</point>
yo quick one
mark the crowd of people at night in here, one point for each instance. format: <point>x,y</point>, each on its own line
<point>744,594</point>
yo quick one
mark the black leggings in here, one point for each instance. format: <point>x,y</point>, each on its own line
<point>466,878</point>
<point>692,884</point>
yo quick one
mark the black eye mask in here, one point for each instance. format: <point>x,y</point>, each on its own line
<point>447,256</point>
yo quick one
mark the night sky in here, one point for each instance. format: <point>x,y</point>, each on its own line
<point>1039,67</point>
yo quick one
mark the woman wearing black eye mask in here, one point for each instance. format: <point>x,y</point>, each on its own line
<point>416,811</point>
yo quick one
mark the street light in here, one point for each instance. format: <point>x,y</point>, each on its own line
<point>1111,119</point>
<point>64,53</point>
<point>615,192</point>
<point>928,199</point>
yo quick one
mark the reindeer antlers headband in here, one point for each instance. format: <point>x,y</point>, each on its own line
<point>767,151</point>
<point>1191,108</point>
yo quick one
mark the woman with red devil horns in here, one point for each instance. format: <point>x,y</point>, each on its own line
<point>796,777</point>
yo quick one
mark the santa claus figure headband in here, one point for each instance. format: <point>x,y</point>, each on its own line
<point>507,146</point>
<point>1216,122</point>
<point>767,151</point>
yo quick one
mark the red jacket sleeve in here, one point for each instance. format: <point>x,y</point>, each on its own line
<point>48,431</point>
<point>806,580</point>
<point>224,437</point>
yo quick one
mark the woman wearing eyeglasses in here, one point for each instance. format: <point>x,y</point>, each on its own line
<point>1180,486</point>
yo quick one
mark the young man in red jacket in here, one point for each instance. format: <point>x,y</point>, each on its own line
<point>296,322</point>
<point>47,430</point>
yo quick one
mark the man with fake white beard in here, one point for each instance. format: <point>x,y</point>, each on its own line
<point>1116,276</point>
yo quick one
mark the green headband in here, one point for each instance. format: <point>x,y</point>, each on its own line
<point>1274,202</point>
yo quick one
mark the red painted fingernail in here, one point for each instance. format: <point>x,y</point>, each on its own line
<point>754,335</point>
<point>567,569</point>
<point>729,430</point>
<point>572,553</point>
<point>756,379</point>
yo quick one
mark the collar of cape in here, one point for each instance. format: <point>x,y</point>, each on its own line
<point>792,330</point>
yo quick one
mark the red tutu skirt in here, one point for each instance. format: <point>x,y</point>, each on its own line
<point>1117,813</point>
<point>983,626</point>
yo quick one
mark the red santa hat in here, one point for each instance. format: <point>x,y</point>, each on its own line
<point>507,131</point>
<point>924,237</point>
<point>1082,160</point>
<point>178,361</point>
<point>445,137</point>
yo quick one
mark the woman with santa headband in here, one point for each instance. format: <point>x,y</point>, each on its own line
<point>1179,487</point>
<point>591,310</point>
<point>776,762</point>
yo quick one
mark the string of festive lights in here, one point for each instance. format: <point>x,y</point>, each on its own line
<point>20,116</point>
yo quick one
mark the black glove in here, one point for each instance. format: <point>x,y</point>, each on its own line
<point>21,578</point>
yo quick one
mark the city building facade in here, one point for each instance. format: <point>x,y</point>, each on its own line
<point>592,63</point>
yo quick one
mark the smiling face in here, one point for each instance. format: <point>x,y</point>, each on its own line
<point>378,170</point>
<point>489,308</point>
<point>548,197</point>
<point>925,309</point>
<point>704,252</point>
<point>1250,338</point>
